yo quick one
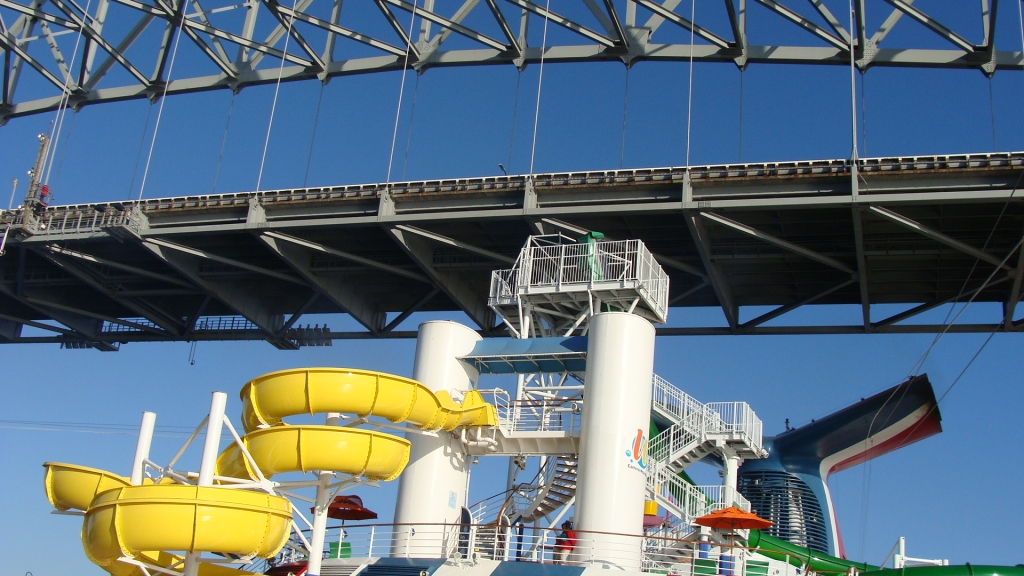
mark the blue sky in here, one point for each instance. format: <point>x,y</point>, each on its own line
<point>940,493</point>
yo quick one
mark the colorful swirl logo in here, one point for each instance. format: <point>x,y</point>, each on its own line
<point>638,453</point>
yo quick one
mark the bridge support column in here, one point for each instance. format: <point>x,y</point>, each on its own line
<point>433,487</point>
<point>612,479</point>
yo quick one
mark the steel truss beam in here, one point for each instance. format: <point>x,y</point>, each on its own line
<point>471,299</point>
<point>431,246</point>
<point>235,296</point>
<point>621,40</point>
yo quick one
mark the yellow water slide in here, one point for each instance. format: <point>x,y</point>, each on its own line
<point>143,522</point>
<point>277,447</point>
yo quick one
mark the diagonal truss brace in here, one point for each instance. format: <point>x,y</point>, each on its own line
<point>821,258</point>
<point>233,295</point>
<point>169,325</point>
<point>339,290</point>
<point>702,241</point>
<point>938,236</point>
<point>468,297</point>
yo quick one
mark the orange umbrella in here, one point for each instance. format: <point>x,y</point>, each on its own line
<point>732,518</point>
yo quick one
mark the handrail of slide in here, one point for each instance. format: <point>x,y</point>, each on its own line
<point>141,523</point>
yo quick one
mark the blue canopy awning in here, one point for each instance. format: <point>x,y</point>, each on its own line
<point>529,355</point>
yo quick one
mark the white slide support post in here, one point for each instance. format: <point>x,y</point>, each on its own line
<point>211,447</point>
<point>432,489</point>
<point>730,477</point>
<point>323,502</point>
<point>612,475</point>
<point>142,447</point>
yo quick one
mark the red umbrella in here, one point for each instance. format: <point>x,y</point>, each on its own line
<point>732,518</point>
<point>349,508</point>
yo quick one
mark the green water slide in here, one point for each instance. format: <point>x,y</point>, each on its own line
<point>965,570</point>
<point>778,549</point>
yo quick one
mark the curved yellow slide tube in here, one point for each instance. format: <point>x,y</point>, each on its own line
<point>143,522</point>
<point>270,398</point>
<point>280,449</point>
<point>134,520</point>
<point>73,487</point>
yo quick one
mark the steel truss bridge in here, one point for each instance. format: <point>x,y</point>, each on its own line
<point>921,232</point>
<point>127,45</point>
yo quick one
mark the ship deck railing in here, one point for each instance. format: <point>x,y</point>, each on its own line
<point>657,551</point>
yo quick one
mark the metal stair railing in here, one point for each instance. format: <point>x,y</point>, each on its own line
<point>686,501</point>
<point>693,423</point>
<point>547,474</point>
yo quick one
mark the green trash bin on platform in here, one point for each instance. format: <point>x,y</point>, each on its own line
<point>339,550</point>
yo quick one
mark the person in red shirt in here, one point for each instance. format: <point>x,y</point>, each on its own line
<point>564,543</point>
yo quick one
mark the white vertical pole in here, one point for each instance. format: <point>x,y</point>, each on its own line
<point>214,426</point>
<point>323,497</point>
<point>730,478</point>
<point>142,447</point>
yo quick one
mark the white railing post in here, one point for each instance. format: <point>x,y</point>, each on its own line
<point>214,426</point>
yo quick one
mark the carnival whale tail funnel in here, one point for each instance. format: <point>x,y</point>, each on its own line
<point>790,486</point>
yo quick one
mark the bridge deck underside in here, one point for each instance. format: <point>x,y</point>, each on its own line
<point>248,266</point>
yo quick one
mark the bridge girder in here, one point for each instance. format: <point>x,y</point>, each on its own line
<point>757,241</point>
<point>382,42</point>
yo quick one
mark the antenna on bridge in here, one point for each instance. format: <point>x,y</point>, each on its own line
<point>38,193</point>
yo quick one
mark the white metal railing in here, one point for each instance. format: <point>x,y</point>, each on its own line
<point>739,418</point>
<point>621,262</point>
<point>70,221</point>
<point>696,421</point>
<point>469,543</point>
<point>686,501</point>
<point>535,415</point>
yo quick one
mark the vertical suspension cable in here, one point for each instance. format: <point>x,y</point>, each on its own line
<point>625,107</point>
<point>223,143</point>
<point>540,83</point>
<point>163,98</point>
<point>312,138</point>
<point>741,116</point>
<point>65,97</point>
<point>992,112</point>
<point>401,90</point>
<point>138,154</point>
<point>64,150</point>
<point>515,111</point>
<point>864,113</point>
<point>689,97</point>
<point>277,90</point>
<point>412,118</point>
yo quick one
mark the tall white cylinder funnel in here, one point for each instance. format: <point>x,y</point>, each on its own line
<point>432,489</point>
<point>612,479</point>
